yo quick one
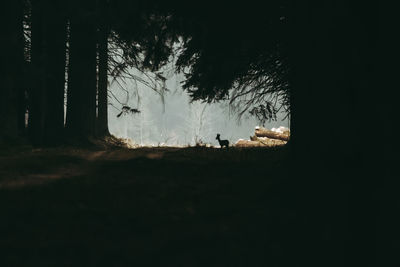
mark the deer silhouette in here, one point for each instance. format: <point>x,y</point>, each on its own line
<point>222,143</point>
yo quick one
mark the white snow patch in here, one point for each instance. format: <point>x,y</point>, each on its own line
<point>281,129</point>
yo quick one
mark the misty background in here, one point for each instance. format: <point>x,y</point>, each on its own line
<point>168,118</point>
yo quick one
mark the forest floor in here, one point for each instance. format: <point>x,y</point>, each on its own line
<point>162,206</point>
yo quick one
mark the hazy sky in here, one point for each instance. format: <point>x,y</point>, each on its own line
<point>177,122</point>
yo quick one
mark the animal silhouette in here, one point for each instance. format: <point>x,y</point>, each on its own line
<point>222,143</point>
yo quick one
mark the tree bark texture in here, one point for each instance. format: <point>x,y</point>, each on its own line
<point>11,62</point>
<point>37,96</point>
<point>55,31</point>
<point>102,116</point>
<point>333,72</point>
<point>46,112</point>
<point>81,98</point>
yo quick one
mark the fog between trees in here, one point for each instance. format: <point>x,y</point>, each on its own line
<point>176,121</point>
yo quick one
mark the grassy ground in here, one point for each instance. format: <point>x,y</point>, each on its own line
<point>142,207</point>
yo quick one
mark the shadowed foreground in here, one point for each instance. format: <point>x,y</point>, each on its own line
<point>151,207</point>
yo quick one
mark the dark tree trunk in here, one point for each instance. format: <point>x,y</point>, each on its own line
<point>330,76</point>
<point>333,77</point>
<point>102,119</point>
<point>46,113</point>
<point>55,76</point>
<point>11,62</point>
<point>22,101</point>
<point>81,99</point>
<point>37,95</point>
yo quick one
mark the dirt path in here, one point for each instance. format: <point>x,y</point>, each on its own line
<point>142,207</point>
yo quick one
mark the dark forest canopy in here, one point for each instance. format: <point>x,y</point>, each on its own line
<point>233,51</point>
<point>249,53</point>
<point>237,52</point>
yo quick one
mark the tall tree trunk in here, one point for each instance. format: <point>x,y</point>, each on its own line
<point>55,76</point>
<point>11,62</point>
<point>23,103</point>
<point>37,94</point>
<point>81,99</point>
<point>102,117</point>
<point>46,114</point>
<point>331,91</point>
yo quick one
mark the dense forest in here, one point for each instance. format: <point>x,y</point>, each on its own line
<point>62,54</point>
<point>321,61</point>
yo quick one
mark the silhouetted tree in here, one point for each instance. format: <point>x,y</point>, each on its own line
<point>102,86</point>
<point>46,109</point>
<point>333,53</point>
<point>11,66</point>
<point>236,52</point>
<point>82,86</point>
<point>55,85</point>
<point>143,46</point>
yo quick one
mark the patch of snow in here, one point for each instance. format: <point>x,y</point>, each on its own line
<point>281,129</point>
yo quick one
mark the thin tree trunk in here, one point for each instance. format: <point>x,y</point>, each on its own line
<point>81,99</point>
<point>102,119</point>
<point>11,62</point>
<point>22,102</point>
<point>37,95</point>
